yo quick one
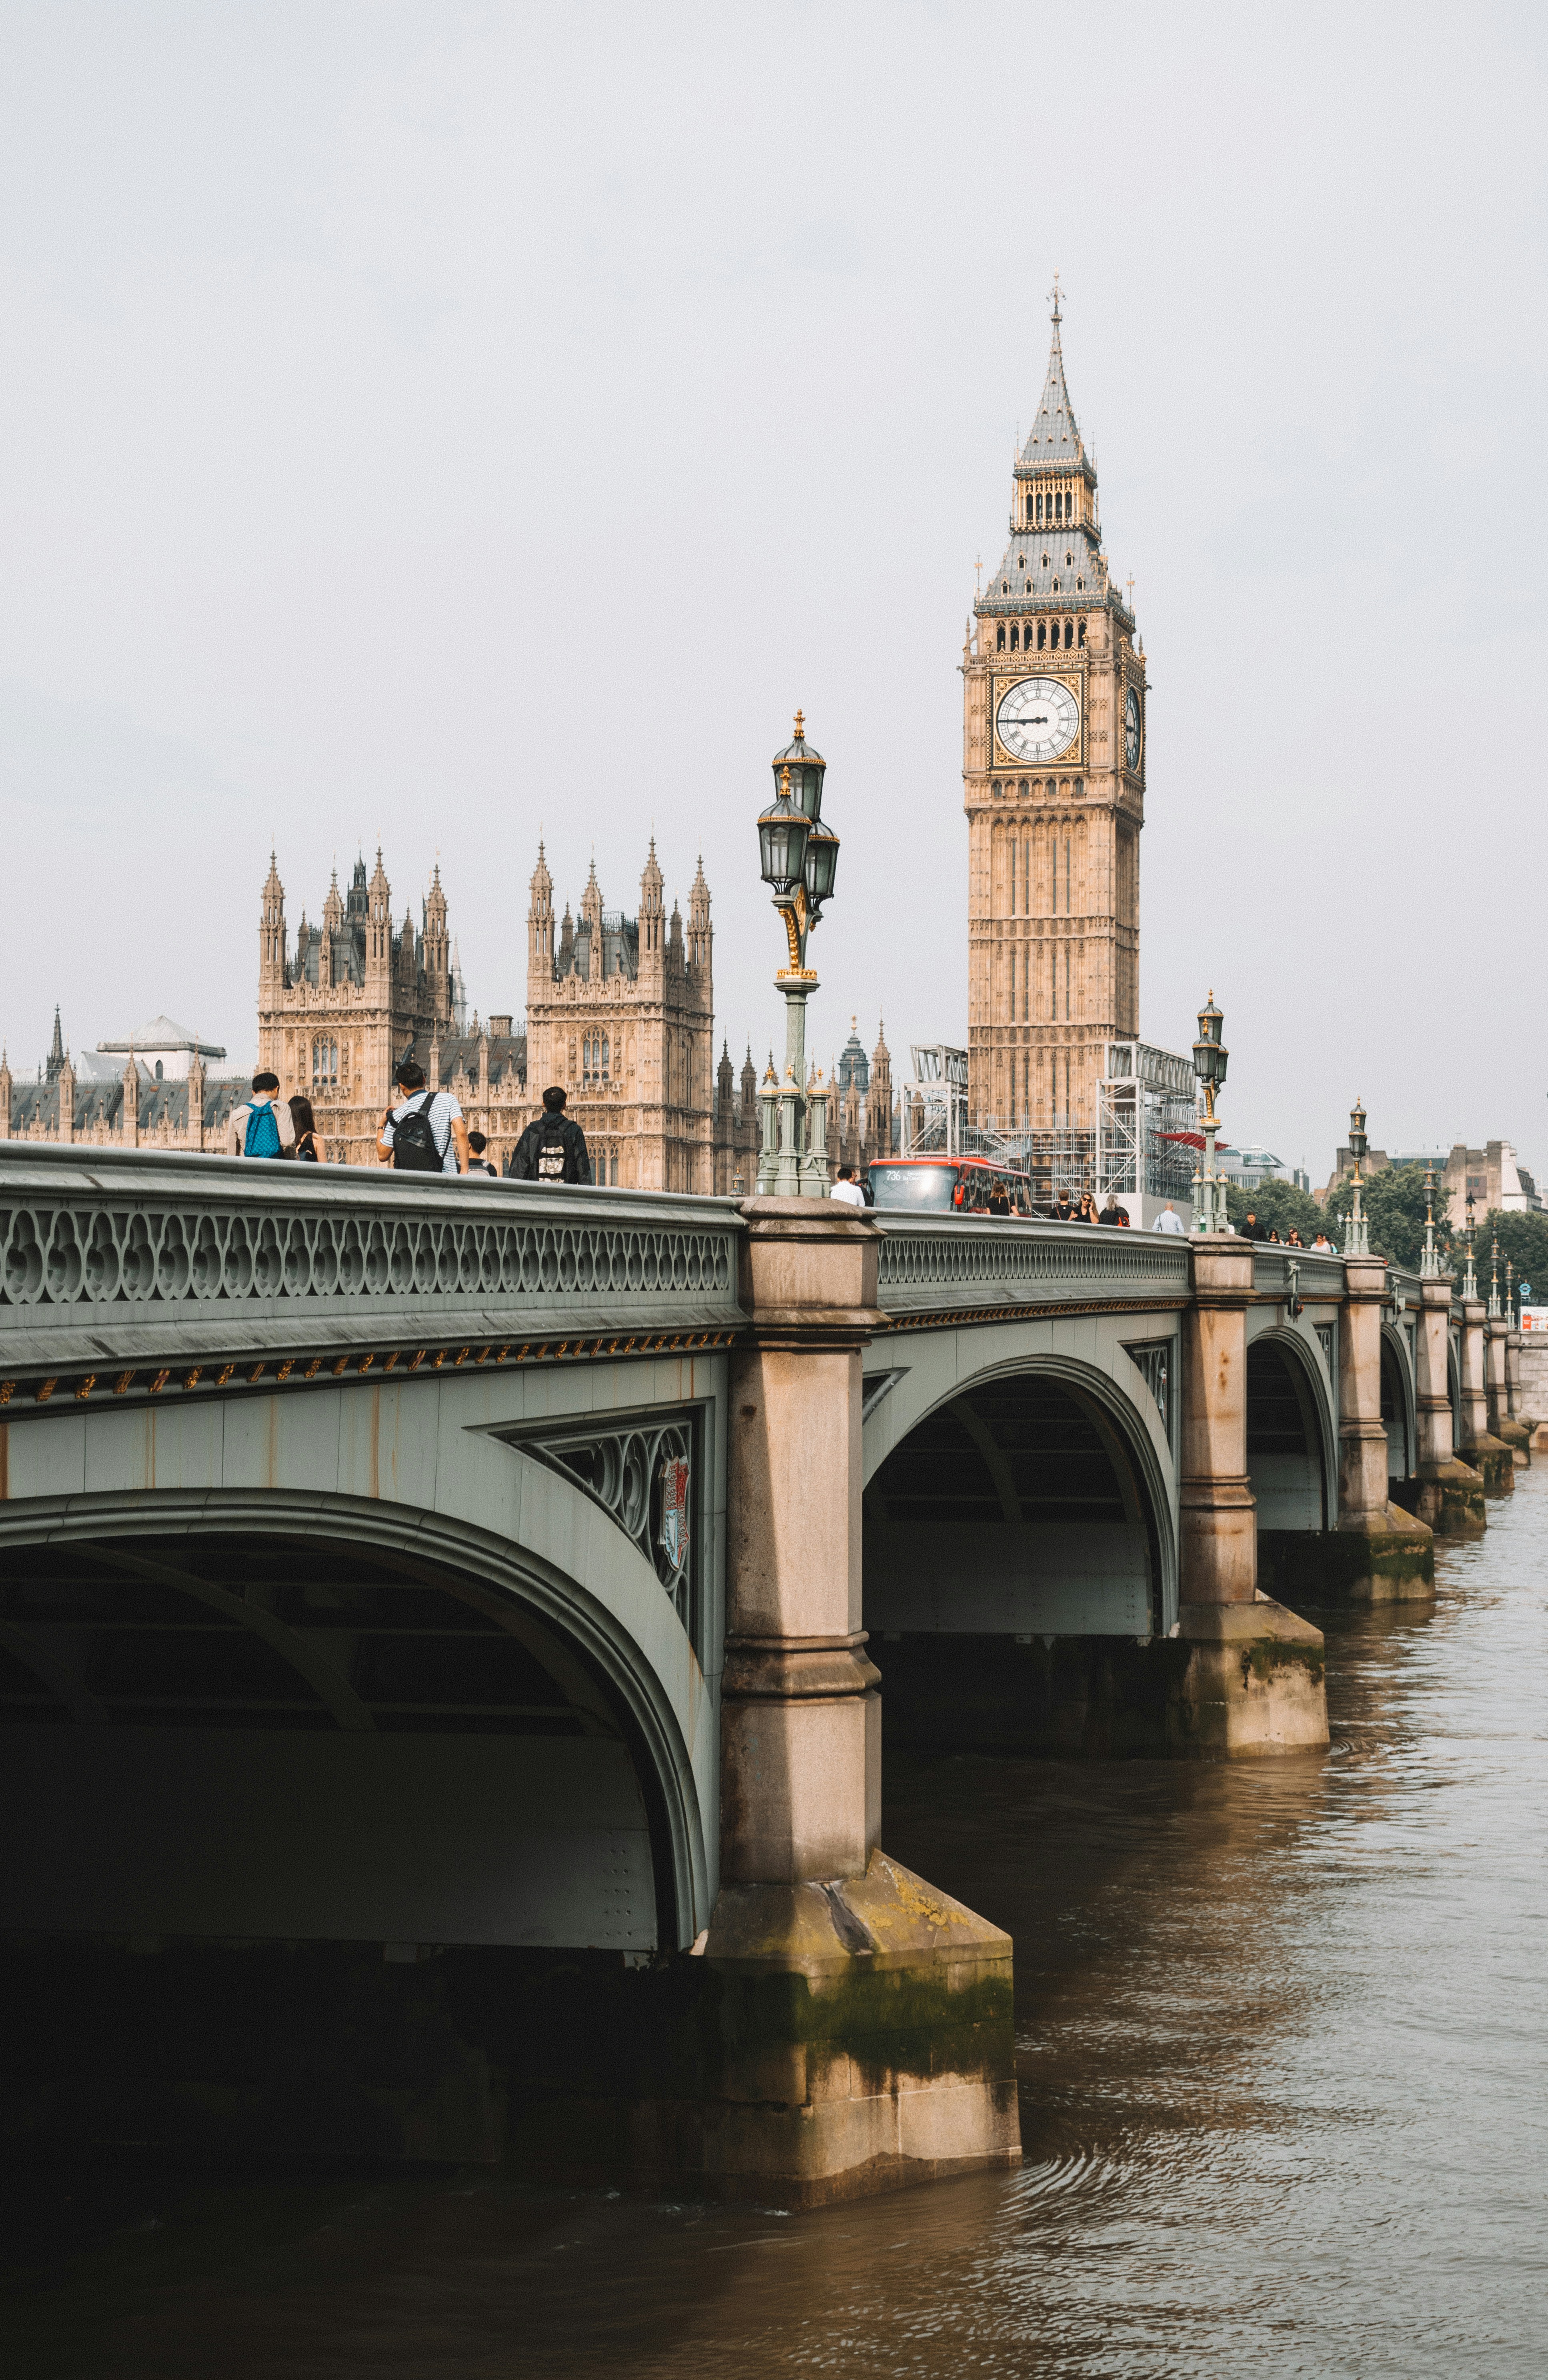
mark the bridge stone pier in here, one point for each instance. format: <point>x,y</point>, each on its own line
<point>448,1631</point>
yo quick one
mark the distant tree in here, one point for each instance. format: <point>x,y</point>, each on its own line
<point>1524,1239</point>
<point>1394,1205</point>
<point>1279,1204</point>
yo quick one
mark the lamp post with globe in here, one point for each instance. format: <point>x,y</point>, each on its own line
<point>798,859</point>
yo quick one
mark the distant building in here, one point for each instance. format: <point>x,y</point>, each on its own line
<point>1250,1164</point>
<point>621,1011</point>
<point>1492,1176</point>
<point>162,1096</point>
<point>164,1050</point>
<point>861,1120</point>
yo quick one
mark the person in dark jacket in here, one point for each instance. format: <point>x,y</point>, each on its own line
<point>552,1150</point>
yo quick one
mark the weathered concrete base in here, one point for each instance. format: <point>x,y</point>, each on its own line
<point>1520,1441</point>
<point>1380,1558</point>
<point>1254,1682</point>
<point>832,2040</point>
<point>1491,1457</point>
<point>1112,1697</point>
<point>1450,1500</point>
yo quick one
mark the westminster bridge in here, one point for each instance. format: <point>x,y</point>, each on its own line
<point>428,1572</point>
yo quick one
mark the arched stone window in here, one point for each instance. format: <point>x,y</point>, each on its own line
<point>1015,637</point>
<point>1042,633</point>
<point>1069,634</point>
<point>1081,638</point>
<point>1000,637</point>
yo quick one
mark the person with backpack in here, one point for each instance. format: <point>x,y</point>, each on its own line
<point>425,1133</point>
<point>553,1148</point>
<point>479,1163</point>
<point>261,1127</point>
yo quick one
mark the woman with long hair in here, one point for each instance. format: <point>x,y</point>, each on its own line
<point>309,1140</point>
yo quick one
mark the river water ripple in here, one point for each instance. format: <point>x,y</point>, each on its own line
<point>1283,2066</point>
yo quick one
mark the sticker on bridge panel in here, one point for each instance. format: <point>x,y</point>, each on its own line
<point>674,1510</point>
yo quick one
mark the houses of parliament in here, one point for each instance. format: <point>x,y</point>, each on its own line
<point>620,1009</point>
<point>620,1006</point>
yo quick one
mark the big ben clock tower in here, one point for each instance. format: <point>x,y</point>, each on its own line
<point>1052,777</point>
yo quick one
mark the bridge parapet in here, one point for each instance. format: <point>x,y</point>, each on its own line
<point>944,1269</point>
<point>130,1258</point>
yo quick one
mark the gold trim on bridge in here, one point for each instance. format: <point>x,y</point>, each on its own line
<point>232,1378</point>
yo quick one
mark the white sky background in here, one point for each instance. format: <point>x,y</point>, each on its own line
<point>421,421</point>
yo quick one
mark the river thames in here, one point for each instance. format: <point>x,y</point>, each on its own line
<point>1283,2044</point>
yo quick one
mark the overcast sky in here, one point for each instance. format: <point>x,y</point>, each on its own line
<point>425,423</point>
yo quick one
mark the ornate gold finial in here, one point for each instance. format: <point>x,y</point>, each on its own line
<point>800,726</point>
<point>1054,293</point>
<point>785,782</point>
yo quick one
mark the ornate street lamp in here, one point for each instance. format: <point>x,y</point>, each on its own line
<point>1209,1055</point>
<point>1470,1278</point>
<point>1510,1314</point>
<point>798,858</point>
<point>1358,1244</point>
<point>1495,1281</point>
<point>1430,1266</point>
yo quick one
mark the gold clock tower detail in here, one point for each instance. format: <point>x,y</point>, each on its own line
<point>1054,776</point>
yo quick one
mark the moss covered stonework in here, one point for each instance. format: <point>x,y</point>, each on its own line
<point>829,2040</point>
<point>1378,1558</point>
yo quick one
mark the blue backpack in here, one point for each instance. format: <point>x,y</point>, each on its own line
<point>261,1137</point>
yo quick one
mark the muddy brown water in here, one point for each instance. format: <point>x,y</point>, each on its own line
<point>1284,2064</point>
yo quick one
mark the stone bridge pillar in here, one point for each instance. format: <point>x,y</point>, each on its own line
<point>862,2020</point>
<point>1520,1437</point>
<point>1383,1553</point>
<point>1497,1375</point>
<point>1252,1680</point>
<point>1489,1456</point>
<point>1450,1493</point>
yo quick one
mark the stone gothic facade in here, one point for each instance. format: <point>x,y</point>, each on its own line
<point>861,1121</point>
<point>620,1009</point>
<point>1054,783</point>
<point>337,1015</point>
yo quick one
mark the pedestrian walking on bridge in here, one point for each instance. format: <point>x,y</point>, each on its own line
<point>553,1148</point>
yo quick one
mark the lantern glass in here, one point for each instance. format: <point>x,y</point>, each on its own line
<point>1209,1052</point>
<point>822,864</point>
<point>782,838</point>
<point>1359,1141</point>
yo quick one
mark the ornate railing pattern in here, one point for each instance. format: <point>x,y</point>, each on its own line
<point>128,1241</point>
<point>1317,1278</point>
<point>946,1265</point>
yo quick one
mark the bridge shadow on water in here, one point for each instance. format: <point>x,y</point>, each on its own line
<point>1281,2050</point>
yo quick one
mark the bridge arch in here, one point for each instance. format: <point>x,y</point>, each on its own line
<point>1031,1495</point>
<point>287,1714</point>
<point>1399,1403</point>
<point>1292,1437</point>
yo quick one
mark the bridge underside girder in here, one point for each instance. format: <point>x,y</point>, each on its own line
<point>218,1737</point>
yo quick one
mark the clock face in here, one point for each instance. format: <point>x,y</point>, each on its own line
<point>1132,728</point>
<point>1038,719</point>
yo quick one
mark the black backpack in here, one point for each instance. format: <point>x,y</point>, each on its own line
<point>551,1158</point>
<point>414,1149</point>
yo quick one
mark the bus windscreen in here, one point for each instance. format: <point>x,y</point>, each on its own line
<point>927,1189</point>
